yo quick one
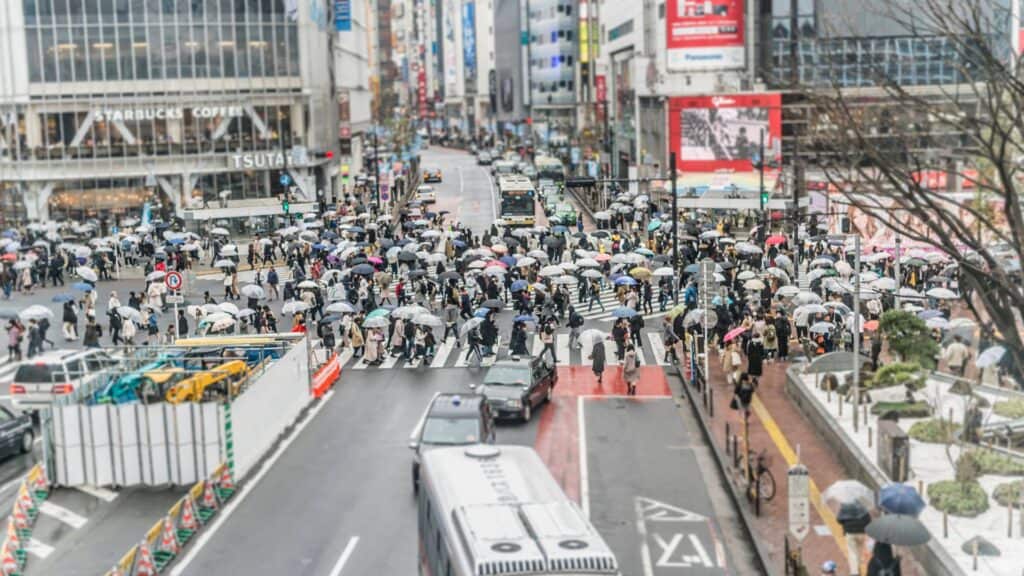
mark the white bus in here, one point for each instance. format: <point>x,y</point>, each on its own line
<point>518,199</point>
<point>487,510</point>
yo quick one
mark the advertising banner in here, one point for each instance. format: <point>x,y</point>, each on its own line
<point>343,15</point>
<point>469,43</point>
<point>704,34</point>
<point>722,133</point>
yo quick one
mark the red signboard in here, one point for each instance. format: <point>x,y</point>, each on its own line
<point>601,96</point>
<point>421,92</point>
<point>704,34</point>
<point>713,133</point>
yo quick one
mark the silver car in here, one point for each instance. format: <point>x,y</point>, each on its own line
<point>39,381</point>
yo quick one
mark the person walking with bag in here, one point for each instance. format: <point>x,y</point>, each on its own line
<point>597,358</point>
<point>630,370</point>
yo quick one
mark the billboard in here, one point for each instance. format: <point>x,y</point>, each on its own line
<point>343,15</point>
<point>469,44</point>
<point>704,34</point>
<point>722,133</point>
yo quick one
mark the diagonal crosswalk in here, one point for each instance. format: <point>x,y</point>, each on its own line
<point>449,354</point>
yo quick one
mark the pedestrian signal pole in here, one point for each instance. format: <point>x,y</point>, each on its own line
<point>675,228</point>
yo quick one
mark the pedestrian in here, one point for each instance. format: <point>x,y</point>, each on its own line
<point>782,333</point>
<point>547,337</point>
<point>272,281</point>
<point>597,358</point>
<point>114,324</point>
<point>732,363</point>
<point>397,342</point>
<point>35,343</point>
<point>473,345</point>
<point>876,350</point>
<point>93,332</point>
<point>451,325</point>
<point>14,337</point>
<point>183,323</point>
<point>883,562</point>
<point>630,370</point>
<point>355,339</point>
<point>517,342</point>
<point>619,334</point>
<point>755,356</point>
<point>956,355</point>
<point>575,323</point>
<point>771,342</point>
<point>128,331</point>
<point>69,318</point>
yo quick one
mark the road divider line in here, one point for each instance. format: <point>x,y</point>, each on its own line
<point>63,514</point>
<point>581,423</point>
<point>345,555</point>
<point>207,534</point>
<point>97,492</point>
<point>780,441</point>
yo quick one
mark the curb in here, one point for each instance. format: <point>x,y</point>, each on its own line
<point>738,498</point>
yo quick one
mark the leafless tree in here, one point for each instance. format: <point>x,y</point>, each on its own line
<point>882,147</point>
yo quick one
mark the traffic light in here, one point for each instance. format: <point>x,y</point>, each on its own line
<point>764,199</point>
<point>285,206</point>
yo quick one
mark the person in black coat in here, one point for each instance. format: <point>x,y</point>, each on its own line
<point>782,332</point>
<point>489,335</point>
<point>517,343</point>
<point>883,561</point>
<point>597,358</point>
<point>755,356</point>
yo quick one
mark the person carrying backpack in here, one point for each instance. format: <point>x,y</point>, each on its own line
<point>575,323</point>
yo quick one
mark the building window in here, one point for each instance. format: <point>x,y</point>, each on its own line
<point>621,30</point>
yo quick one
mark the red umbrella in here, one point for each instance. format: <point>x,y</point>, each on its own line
<point>734,333</point>
<point>497,263</point>
<point>602,257</point>
<point>871,325</point>
<point>775,239</point>
<point>9,257</point>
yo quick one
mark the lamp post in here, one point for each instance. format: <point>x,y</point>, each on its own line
<point>675,225</point>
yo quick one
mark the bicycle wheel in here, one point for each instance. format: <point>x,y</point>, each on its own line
<point>766,485</point>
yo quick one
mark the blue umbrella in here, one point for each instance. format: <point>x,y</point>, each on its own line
<point>10,234</point>
<point>509,260</point>
<point>929,314</point>
<point>623,312</point>
<point>458,243</point>
<point>691,269</point>
<point>559,229</point>
<point>901,499</point>
<point>625,281</point>
<point>330,235</point>
<point>356,229</point>
<point>481,313</point>
<point>63,298</point>
<point>319,246</point>
<point>524,318</point>
<point>176,241</point>
<point>653,225</point>
<point>83,286</point>
<point>519,285</point>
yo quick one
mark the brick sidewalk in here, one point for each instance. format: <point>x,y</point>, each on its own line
<point>776,425</point>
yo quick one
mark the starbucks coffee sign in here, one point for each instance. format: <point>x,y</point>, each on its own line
<point>165,113</point>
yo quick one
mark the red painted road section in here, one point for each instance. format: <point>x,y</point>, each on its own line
<point>558,430</point>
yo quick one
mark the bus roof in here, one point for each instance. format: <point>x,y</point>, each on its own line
<point>546,160</point>
<point>510,514</point>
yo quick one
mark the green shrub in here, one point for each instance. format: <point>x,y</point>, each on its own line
<point>933,431</point>
<point>904,409</point>
<point>1009,493</point>
<point>993,462</point>
<point>899,374</point>
<point>966,500</point>
<point>1009,408</point>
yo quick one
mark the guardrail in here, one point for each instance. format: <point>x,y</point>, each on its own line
<point>168,537</point>
<point>33,491</point>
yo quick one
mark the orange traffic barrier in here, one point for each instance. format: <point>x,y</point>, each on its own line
<point>144,565</point>
<point>326,376</point>
<point>20,516</point>
<point>169,539</point>
<point>225,480</point>
<point>8,561</point>
<point>27,502</point>
<point>188,514</point>
<point>209,497</point>
<point>13,539</point>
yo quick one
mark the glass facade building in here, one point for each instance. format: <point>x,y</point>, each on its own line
<point>110,104</point>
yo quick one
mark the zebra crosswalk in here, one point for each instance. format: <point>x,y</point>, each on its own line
<point>449,354</point>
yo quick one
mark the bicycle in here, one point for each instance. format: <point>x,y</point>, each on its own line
<point>758,465</point>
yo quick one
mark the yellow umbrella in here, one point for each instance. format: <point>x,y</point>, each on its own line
<point>676,311</point>
<point>640,272</point>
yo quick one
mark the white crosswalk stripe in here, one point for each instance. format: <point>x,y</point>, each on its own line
<point>448,355</point>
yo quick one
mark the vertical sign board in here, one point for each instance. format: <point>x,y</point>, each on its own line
<point>799,502</point>
<point>704,34</point>
<point>343,15</point>
<point>469,43</point>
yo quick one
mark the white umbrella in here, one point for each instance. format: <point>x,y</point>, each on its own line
<point>80,252</point>
<point>587,263</point>
<point>86,273</point>
<point>495,271</point>
<point>407,312</point>
<point>220,231</point>
<point>910,294</point>
<point>664,272</point>
<point>884,283</point>
<point>937,323</point>
<point>588,337</point>
<point>940,293</point>
<point>822,327</point>
<point>224,263</point>
<point>746,275</point>
<point>477,265</point>
<point>253,291</point>
<point>550,272</point>
<point>526,261</point>
<point>22,264</point>
<point>844,268</point>
<point>436,257</point>
<point>340,308</point>
<point>307,285</point>
<point>35,312</point>
<point>469,325</point>
<point>428,320</point>
<point>787,291</point>
<point>294,307</point>
<point>229,250</point>
<point>229,308</point>
<point>753,284</point>
<point>803,298</point>
<point>129,313</point>
<point>378,322</point>
<point>990,357</point>
<point>211,308</point>
<point>538,254</point>
<point>222,324</point>
<point>244,312</point>
<point>156,276</point>
<point>592,274</point>
<point>565,280</point>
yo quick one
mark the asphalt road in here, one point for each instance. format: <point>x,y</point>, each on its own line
<point>466,191</point>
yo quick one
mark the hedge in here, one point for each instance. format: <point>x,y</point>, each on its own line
<point>933,431</point>
<point>965,500</point>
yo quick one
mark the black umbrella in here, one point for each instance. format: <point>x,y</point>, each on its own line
<point>662,258</point>
<point>579,235</point>
<point>493,304</point>
<point>417,274</point>
<point>357,260</point>
<point>405,256</point>
<point>552,241</point>
<point>899,530</point>
<point>363,270</point>
<point>449,275</point>
<point>386,243</point>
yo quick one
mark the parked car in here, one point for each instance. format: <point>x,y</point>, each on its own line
<point>515,387</point>
<point>450,420</point>
<point>39,381</point>
<point>16,433</point>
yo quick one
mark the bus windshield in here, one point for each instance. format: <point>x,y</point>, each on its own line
<point>520,204</point>
<point>451,431</point>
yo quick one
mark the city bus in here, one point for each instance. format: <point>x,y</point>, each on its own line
<point>517,200</point>
<point>549,171</point>
<point>496,510</point>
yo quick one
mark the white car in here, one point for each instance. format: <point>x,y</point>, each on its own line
<point>39,381</point>
<point>426,194</point>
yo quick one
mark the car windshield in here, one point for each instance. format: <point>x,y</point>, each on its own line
<point>508,376</point>
<point>39,374</point>
<point>451,431</point>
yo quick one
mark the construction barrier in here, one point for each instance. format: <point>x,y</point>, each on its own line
<point>33,490</point>
<point>169,536</point>
<point>326,376</point>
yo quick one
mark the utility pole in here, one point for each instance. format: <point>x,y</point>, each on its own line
<point>798,168</point>
<point>286,179</point>
<point>675,225</point>
<point>897,272</point>
<point>856,332</point>
<point>763,233</point>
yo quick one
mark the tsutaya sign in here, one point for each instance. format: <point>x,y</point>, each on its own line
<point>271,159</point>
<point>166,113</point>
